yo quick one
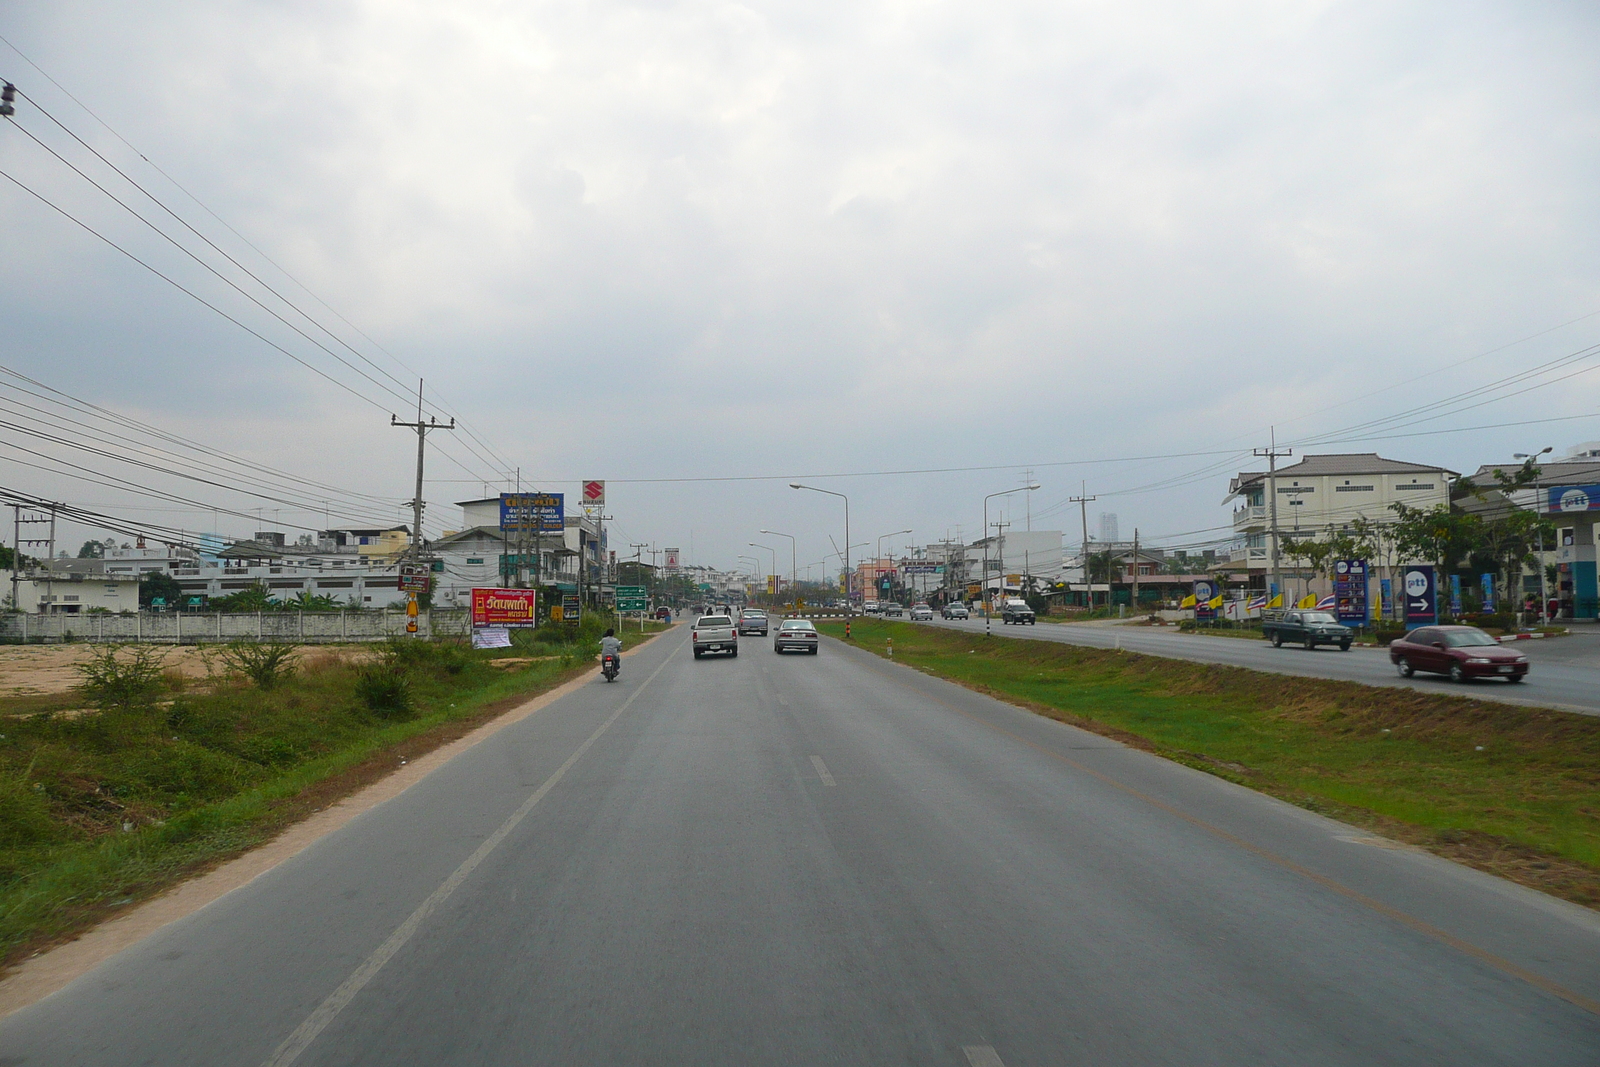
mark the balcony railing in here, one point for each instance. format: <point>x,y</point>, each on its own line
<point>1249,515</point>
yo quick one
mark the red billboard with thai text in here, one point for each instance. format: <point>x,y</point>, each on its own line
<point>505,607</point>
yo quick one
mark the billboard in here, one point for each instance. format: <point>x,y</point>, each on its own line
<point>505,607</point>
<point>537,512</point>
<point>1574,498</point>
<point>672,559</point>
<point>415,577</point>
<point>919,566</point>
<point>1350,591</point>
<point>1422,595</point>
<point>594,494</point>
<point>1204,591</point>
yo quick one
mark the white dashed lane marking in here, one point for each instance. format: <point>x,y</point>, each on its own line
<point>822,771</point>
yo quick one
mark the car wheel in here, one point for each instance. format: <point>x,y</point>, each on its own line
<point>735,654</point>
<point>1457,674</point>
<point>1404,667</point>
<point>1311,646</point>
<point>1516,677</point>
<point>1344,646</point>
<point>1277,640</point>
<point>698,653</point>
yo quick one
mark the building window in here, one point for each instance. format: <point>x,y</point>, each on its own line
<point>1415,485</point>
<point>1352,489</point>
<point>475,561</point>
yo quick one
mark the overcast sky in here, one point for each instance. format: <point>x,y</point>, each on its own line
<point>677,240</point>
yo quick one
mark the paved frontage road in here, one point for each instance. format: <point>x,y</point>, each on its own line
<point>1565,671</point>
<point>834,859</point>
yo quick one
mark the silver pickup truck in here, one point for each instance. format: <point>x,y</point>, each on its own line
<point>714,633</point>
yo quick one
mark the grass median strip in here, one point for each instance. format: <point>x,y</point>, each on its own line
<point>1508,789</point>
<point>137,780</point>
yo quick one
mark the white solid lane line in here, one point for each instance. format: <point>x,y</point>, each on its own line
<point>822,771</point>
<point>983,1056</point>
<point>307,1032</point>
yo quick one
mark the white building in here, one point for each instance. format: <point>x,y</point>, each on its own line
<point>1015,556</point>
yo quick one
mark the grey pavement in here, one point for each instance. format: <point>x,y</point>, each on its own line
<point>1565,671</point>
<point>833,859</point>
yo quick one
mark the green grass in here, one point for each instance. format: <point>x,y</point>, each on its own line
<point>1527,805</point>
<point>205,771</point>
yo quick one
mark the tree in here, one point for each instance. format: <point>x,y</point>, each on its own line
<point>1102,564</point>
<point>254,598</point>
<point>1442,535</point>
<point>159,585</point>
<point>92,550</point>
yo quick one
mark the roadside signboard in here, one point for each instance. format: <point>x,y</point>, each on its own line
<point>1574,498</point>
<point>672,555</point>
<point>571,608</point>
<point>1455,594</point>
<point>1488,593</point>
<point>539,512</point>
<point>415,577</point>
<point>594,494</point>
<point>1350,591</point>
<point>631,598</point>
<point>1422,595</point>
<point>1204,593</point>
<point>918,566</point>
<point>505,607</point>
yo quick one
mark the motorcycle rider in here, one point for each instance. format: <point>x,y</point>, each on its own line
<point>611,645</point>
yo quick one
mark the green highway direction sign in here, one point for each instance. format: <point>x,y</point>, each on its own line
<point>631,598</point>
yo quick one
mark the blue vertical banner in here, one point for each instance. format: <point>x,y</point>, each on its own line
<point>1385,598</point>
<point>1204,592</point>
<point>1455,594</point>
<point>1488,594</point>
<point>1350,591</point>
<point>1422,595</point>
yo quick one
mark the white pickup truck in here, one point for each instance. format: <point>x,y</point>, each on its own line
<point>714,633</point>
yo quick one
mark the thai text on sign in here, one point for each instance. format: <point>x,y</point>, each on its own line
<point>505,607</point>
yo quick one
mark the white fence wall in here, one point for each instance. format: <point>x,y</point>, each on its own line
<point>193,628</point>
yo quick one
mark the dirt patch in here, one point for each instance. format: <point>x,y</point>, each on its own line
<point>50,670</point>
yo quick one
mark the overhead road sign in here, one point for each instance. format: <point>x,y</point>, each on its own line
<point>537,512</point>
<point>922,567</point>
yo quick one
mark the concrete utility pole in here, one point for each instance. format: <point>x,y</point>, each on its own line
<point>1083,513</point>
<point>415,552</point>
<point>1135,570</point>
<point>422,429</point>
<point>1272,454</point>
<point>988,614</point>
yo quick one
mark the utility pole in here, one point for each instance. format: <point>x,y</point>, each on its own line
<point>1083,513</point>
<point>1272,453</point>
<point>415,553</point>
<point>1136,570</point>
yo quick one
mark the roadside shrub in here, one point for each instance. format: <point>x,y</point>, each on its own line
<point>403,653</point>
<point>116,678</point>
<point>1386,632</point>
<point>385,690</point>
<point>1497,621</point>
<point>24,816</point>
<point>266,663</point>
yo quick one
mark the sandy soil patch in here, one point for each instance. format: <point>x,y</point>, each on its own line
<point>40,670</point>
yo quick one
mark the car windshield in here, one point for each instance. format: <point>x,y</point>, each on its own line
<point>755,614</point>
<point>797,624</point>
<point>715,620</point>
<point>1319,616</point>
<point>1468,638</point>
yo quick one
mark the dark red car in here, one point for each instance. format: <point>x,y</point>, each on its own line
<point>1462,652</point>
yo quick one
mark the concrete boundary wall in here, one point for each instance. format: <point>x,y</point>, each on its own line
<point>194,628</point>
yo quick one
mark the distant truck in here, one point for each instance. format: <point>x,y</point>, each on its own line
<point>1304,627</point>
<point>1015,610</point>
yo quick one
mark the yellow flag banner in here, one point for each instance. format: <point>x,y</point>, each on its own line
<point>1188,601</point>
<point>1276,602</point>
<point>1215,602</point>
<point>1309,601</point>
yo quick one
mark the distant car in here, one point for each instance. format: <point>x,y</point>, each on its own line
<point>753,622</point>
<point>664,614</point>
<point>795,635</point>
<point>955,610</point>
<point>1462,652</point>
<point>891,608</point>
<point>872,607</point>
<point>921,613</point>
<point>714,633</point>
<point>1016,611</point>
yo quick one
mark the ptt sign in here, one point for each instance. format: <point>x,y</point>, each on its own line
<point>1575,498</point>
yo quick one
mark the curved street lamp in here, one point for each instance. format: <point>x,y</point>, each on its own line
<point>793,556</point>
<point>988,613</point>
<point>841,496</point>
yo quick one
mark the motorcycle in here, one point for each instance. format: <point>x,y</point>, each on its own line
<point>610,666</point>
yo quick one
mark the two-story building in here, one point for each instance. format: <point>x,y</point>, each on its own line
<point>1319,495</point>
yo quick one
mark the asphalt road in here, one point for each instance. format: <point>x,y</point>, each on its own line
<point>1565,671</point>
<point>833,859</point>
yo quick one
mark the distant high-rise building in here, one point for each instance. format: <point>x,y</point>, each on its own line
<point>1108,527</point>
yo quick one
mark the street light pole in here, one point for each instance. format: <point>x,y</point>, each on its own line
<point>794,570</point>
<point>879,554</point>
<point>988,624</point>
<point>1544,598</point>
<point>841,496</point>
<point>773,594</point>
